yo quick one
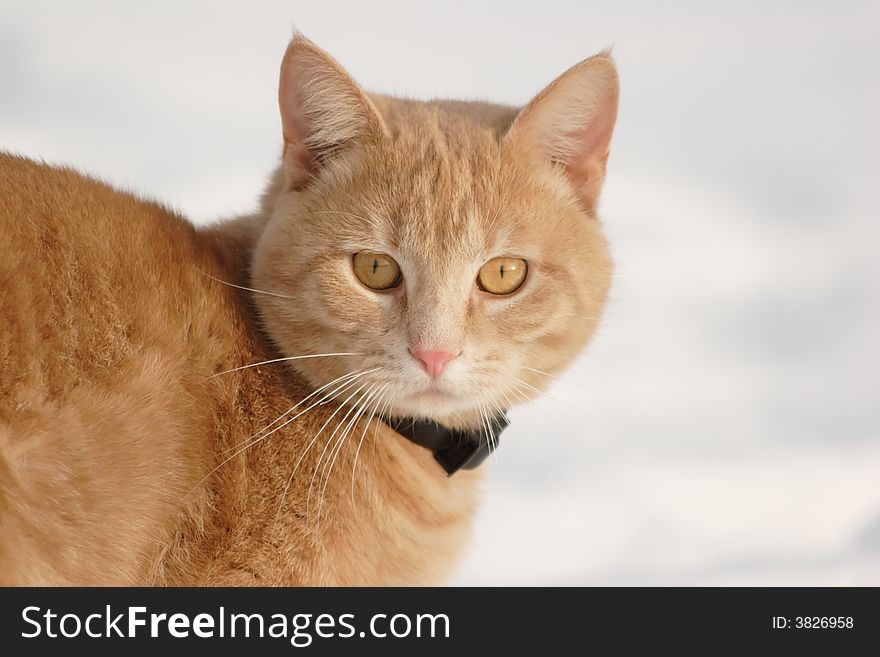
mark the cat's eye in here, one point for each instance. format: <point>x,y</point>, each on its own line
<point>376,270</point>
<point>502,275</point>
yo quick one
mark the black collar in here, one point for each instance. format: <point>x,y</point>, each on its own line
<point>453,449</point>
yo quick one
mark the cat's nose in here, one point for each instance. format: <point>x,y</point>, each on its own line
<point>434,361</point>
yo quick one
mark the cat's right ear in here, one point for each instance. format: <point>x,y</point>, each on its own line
<point>323,111</point>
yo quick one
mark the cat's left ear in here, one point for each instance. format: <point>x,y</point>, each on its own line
<point>569,124</point>
<point>324,111</point>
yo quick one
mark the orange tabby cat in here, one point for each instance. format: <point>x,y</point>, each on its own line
<point>413,260</point>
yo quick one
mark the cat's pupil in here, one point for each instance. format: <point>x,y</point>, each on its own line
<point>502,271</point>
<point>375,265</point>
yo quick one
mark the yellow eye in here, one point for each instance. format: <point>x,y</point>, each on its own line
<point>502,275</point>
<point>376,270</point>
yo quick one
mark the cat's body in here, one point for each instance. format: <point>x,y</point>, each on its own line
<point>411,260</point>
<point>110,417</point>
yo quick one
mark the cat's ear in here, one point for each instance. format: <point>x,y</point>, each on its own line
<point>569,124</point>
<point>323,111</point>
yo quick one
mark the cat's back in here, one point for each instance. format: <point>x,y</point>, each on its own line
<point>63,206</point>
<point>93,280</point>
<point>110,328</point>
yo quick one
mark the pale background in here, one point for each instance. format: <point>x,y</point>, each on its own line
<point>728,422</point>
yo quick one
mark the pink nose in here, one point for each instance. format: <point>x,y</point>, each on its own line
<point>434,361</point>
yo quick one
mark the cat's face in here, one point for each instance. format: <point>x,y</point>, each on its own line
<point>430,241</point>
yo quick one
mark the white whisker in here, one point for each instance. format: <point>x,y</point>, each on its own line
<point>251,442</point>
<point>279,360</point>
<point>242,287</point>
<point>323,400</point>
<point>354,374</point>
<point>558,378</point>
<point>544,394</point>
<point>341,443</point>
<point>385,408</point>
<point>490,434</point>
<point>309,446</point>
<point>525,399</point>
<point>339,425</point>
<point>379,400</point>
<point>540,436</point>
<point>337,447</point>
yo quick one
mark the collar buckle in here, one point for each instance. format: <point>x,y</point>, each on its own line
<point>467,455</point>
<point>453,450</point>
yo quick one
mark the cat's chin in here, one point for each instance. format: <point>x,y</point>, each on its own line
<point>435,396</point>
<point>451,410</point>
<point>434,401</point>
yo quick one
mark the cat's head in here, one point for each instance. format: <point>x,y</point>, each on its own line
<point>453,247</point>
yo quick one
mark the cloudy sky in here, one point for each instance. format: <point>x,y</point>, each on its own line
<point>724,428</point>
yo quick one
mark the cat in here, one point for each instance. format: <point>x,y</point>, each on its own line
<point>216,406</point>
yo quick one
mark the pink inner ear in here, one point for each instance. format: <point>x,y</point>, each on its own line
<point>593,138</point>
<point>300,163</point>
<point>292,119</point>
<point>304,155</point>
<point>581,173</point>
<point>589,147</point>
<point>298,158</point>
<point>587,161</point>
